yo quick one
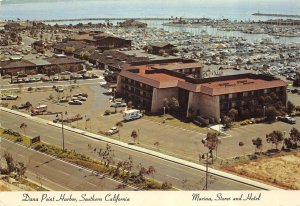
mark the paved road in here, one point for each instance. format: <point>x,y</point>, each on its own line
<point>165,170</point>
<point>55,174</point>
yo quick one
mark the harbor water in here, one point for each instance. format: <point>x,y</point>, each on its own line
<point>233,10</point>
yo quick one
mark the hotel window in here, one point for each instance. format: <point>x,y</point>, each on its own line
<point>265,91</point>
<point>230,96</point>
<point>233,104</point>
<point>245,94</point>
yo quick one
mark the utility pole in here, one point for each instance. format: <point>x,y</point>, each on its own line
<point>205,157</point>
<point>206,172</point>
<point>62,128</point>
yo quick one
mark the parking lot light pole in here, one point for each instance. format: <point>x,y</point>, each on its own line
<point>138,136</point>
<point>62,128</point>
<point>220,126</point>
<point>205,157</point>
<point>164,114</point>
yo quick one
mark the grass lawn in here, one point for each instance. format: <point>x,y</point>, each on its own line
<point>172,121</point>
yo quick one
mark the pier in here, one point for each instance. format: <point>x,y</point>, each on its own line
<point>277,15</point>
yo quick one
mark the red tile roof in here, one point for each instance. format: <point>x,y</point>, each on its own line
<point>157,80</point>
<point>214,88</point>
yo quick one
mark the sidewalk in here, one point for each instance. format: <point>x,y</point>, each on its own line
<point>149,152</point>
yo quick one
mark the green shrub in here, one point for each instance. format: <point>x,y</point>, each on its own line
<point>166,186</point>
<point>107,112</point>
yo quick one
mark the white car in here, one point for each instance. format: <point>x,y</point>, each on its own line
<point>118,104</point>
<point>75,102</point>
<point>103,83</point>
<point>9,97</point>
<point>81,98</point>
<point>112,131</point>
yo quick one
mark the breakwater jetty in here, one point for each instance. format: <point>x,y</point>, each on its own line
<point>277,15</point>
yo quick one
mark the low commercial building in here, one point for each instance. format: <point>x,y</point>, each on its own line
<point>156,47</point>
<point>212,98</point>
<point>55,64</point>
<point>101,40</point>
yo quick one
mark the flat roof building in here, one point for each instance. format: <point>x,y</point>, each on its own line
<point>147,86</point>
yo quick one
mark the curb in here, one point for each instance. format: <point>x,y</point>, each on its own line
<point>159,155</point>
<point>72,164</point>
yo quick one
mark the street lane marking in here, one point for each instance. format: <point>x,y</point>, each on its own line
<point>69,163</point>
<point>172,177</point>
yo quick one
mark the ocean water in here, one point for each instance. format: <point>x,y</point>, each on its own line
<point>62,9</point>
<point>216,9</point>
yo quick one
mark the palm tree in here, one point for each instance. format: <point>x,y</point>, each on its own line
<point>23,126</point>
<point>211,142</point>
<point>119,125</point>
<point>134,135</point>
<point>257,143</point>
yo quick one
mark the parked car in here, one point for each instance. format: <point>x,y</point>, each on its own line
<point>81,94</point>
<point>81,98</point>
<point>26,80</point>
<point>41,108</point>
<point>45,79</point>
<point>63,100</point>
<point>59,89</point>
<point>24,106</point>
<point>103,83</point>
<point>289,120</point>
<point>75,102</point>
<point>86,76</point>
<point>65,73</point>
<point>118,104</point>
<point>55,78</point>
<point>95,76</point>
<point>10,97</point>
<point>294,91</point>
<point>112,131</point>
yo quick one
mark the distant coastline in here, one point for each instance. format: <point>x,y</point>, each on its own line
<point>277,15</point>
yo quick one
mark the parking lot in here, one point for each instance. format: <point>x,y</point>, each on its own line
<point>172,140</point>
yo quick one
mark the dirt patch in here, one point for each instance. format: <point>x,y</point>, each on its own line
<point>282,171</point>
